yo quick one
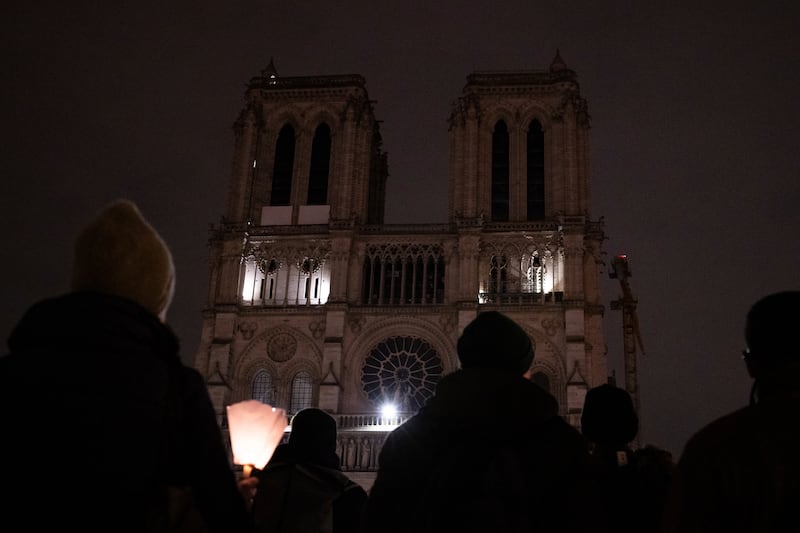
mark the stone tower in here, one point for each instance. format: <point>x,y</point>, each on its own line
<point>313,300</point>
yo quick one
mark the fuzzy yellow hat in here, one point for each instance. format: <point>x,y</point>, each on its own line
<point>120,253</point>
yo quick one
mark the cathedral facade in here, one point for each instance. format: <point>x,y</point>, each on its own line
<point>314,301</point>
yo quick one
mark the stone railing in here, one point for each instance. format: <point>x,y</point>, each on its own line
<point>511,298</point>
<point>369,422</point>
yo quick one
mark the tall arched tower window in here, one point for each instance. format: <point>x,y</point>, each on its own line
<point>263,389</point>
<point>302,392</point>
<point>500,172</point>
<point>535,176</point>
<point>283,167</point>
<point>320,166</point>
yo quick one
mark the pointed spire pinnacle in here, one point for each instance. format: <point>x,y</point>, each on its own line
<point>270,73</point>
<point>558,64</point>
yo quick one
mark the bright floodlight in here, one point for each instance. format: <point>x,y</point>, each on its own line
<point>388,410</point>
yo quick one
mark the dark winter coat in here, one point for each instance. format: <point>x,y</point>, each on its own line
<point>102,422</point>
<point>634,486</point>
<point>512,464</point>
<point>306,492</point>
<point>742,471</point>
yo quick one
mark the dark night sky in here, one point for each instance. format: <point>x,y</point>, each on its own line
<point>694,142</point>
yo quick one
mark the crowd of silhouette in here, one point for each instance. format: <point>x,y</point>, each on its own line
<point>106,430</point>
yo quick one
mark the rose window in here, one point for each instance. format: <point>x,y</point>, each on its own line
<point>401,370</point>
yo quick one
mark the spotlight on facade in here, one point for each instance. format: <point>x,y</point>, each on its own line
<point>388,410</point>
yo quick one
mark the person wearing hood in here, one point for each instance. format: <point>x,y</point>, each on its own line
<point>302,488</point>
<point>105,428</point>
<point>488,452</point>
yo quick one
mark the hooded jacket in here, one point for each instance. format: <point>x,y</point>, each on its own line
<point>302,492</point>
<point>510,462</point>
<point>103,422</point>
<point>303,489</point>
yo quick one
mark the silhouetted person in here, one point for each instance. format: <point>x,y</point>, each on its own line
<point>488,452</point>
<point>104,429</point>
<point>741,472</point>
<point>302,488</point>
<point>634,483</point>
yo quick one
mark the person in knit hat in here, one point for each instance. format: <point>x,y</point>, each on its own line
<point>107,430</point>
<point>120,253</point>
<point>489,451</point>
<point>305,475</point>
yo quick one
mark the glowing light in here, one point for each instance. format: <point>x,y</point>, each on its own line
<point>256,430</point>
<point>249,283</point>
<point>389,410</point>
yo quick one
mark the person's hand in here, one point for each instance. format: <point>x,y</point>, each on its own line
<point>247,488</point>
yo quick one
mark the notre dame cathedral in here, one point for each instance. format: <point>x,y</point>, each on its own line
<point>314,301</point>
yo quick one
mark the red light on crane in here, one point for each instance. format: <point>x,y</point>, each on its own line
<point>620,267</point>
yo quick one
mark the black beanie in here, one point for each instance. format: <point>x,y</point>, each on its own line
<point>608,416</point>
<point>493,340</point>
<point>313,434</point>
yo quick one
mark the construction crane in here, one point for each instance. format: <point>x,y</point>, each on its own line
<point>631,335</point>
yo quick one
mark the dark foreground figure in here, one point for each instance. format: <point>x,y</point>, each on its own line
<point>634,483</point>
<point>302,489</point>
<point>488,452</point>
<point>742,471</point>
<point>104,428</point>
